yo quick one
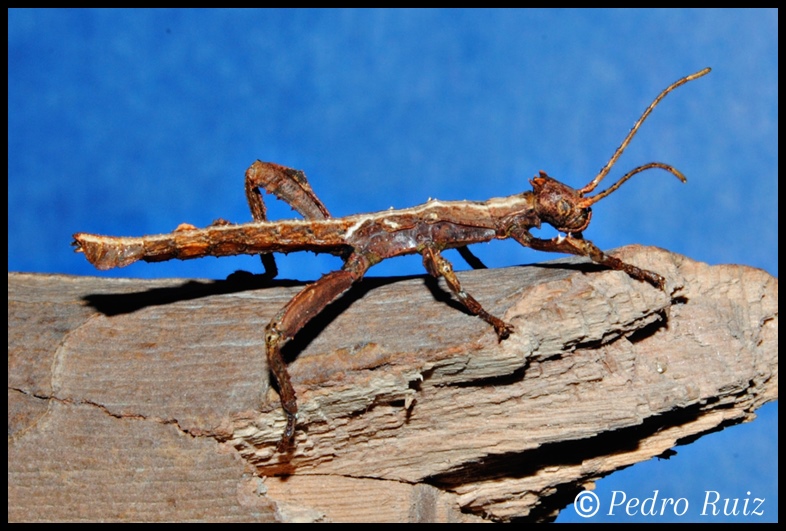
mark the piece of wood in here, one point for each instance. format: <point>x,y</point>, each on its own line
<point>150,399</point>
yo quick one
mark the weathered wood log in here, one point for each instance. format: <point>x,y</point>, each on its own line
<point>150,399</point>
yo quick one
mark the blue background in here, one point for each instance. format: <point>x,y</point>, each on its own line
<point>131,122</point>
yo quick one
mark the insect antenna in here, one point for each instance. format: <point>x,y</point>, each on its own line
<point>605,170</point>
<point>588,201</point>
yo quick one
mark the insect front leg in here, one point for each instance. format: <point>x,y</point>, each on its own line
<point>294,316</point>
<point>287,184</point>
<point>576,244</point>
<point>438,266</point>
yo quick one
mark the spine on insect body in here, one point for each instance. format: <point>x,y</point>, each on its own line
<point>107,252</point>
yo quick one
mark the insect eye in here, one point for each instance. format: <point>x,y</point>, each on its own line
<point>563,207</point>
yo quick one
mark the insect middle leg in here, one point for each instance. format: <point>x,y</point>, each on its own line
<point>287,184</point>
<point>294,316</point>
<point>438,266</point>
<point>576,244</point>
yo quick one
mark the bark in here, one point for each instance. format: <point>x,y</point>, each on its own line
<point>150,399</point>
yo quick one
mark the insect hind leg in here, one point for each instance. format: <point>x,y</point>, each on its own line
<point>287,184</point>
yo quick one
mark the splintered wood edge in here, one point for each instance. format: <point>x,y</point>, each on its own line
<point>444,357</point>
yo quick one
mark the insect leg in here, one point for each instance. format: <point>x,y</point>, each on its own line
<point>438,266</point>
<point>287,184</point>
<point>576,244</point>
<point>294,316</point>
<point>469,257</point>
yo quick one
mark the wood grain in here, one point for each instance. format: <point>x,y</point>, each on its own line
<point>150,400</point>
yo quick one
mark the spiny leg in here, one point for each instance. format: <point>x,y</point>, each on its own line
<point>293,317</point>
<point>576,244</point>
<point>438,266</point>
<point>287,184</point>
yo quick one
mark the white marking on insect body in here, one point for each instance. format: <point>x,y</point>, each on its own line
<point>359,223</point>
<point>391,224</point>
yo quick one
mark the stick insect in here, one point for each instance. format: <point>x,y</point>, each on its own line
<point>366,239</point>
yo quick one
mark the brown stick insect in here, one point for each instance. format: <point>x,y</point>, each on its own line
<point>366,239</point>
